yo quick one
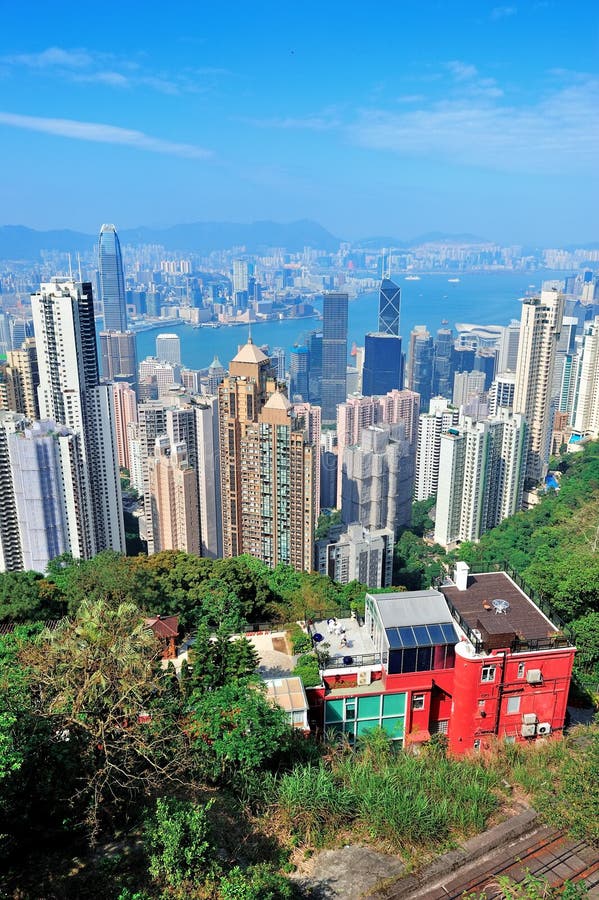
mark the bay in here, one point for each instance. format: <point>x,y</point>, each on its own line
<point>483,298</point>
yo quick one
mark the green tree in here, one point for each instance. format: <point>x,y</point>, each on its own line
<point>96,681</point>
<point>586,629</point>
<point>235,728</point>
<point>23,600</point>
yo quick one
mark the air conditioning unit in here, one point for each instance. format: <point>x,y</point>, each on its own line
<point>528,730</point>
<point>534,676</point>
<point>529,719</point>
<point>544,728</point>
<point>364,676</point>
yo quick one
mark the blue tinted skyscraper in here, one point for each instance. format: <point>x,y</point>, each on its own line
<point>389,307</point>
<point>334,354</point>
<point>111,280</point>
<point>383,364</point>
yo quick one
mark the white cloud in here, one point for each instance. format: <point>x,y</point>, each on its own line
<point>503,12</point>
<point>104,134</point>
<point>557,134</point>
<point>105,68</point>
<point>52,57</point>
<point>462,71</point>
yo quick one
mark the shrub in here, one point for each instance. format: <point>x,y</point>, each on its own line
<point>307,669</point>
<point>179,839</point>
<point>256,883</point>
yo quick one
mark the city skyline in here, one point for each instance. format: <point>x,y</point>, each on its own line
<point>467,117</point>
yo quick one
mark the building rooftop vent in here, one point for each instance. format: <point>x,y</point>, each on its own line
<point>500,606</point>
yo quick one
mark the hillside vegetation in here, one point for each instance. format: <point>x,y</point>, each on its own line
<point>554,547</point>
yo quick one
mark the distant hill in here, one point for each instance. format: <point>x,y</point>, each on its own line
<point>377,243</point>
<point>20,242</point>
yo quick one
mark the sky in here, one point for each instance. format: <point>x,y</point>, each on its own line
<point>381,118</point>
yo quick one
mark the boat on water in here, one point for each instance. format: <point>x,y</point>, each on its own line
<point>453,280</point>
<point>412,277</point>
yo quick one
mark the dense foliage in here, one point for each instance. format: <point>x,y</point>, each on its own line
<point>554,547</point>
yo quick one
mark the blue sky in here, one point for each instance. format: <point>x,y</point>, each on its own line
<point>393,117</point>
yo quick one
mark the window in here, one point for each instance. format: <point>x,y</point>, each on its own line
<point>487,673</point>
<point>513,705</point>
<point>521,670</point>
<point>417,701</point>
<point>350,708</point>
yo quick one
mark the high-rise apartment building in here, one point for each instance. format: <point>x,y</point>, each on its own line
<point>358,412</point>
<point>358,555</point>
<point>389,307</point>
<point>174,498</point>
<point>334,354</point>
<point>267,467</point>
<point>467,385</point>
<point>70,393</point>
<point>19,381</point>
<point>43,508</point>
<point>125,412</point>
<point>501,393</point>
<point>240,276</point>
<point>508,348</point>
<point>539,335</point>
<point>440,418</point>
<point>168,348</point>
<point>378,479</point>
<point>585,412</point>
<point>111,280</point>
<point>481,477</point>
<point>118,354</point>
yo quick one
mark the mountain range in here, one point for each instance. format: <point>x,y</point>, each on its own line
<point>20,242</point>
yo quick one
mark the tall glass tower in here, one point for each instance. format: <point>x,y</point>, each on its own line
<point>389,307</point>
<point>334,354</point>
<point>111,280</point>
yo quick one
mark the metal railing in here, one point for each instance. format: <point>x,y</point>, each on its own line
<point>350,661</point>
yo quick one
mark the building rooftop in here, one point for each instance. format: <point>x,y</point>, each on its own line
<point>250,353</point>
<point>278,400</point>
<point>346,638</point>
<point>288,693</point>
<point>494,607</point>
<point>412,608</point>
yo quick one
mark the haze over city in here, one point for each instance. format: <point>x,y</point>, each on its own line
<point>395,119</point>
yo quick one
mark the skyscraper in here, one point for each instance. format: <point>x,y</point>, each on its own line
<point>125,411</point>
<point>481,476</point>
<point>539,334</point>
<point>42,505</point>
<point>440,417</point>
<point>383,364</point>
<point>118,354</point>
<point>174,498</point>
<point>585,413</point>
<point>111,280</point>
<point>299,374</point>
<point>389,307</point>
<point>267,467</point>
<point>442,363</point>
<point>70,393</point>
<point>378,479</point>
<point>20,380</point>
<point>168,348</point>
<point>420,364</point>
<point>334,354</point>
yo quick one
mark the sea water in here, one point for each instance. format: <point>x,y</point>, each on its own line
<point>483,298</point>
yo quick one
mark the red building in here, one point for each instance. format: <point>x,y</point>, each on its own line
<point>474,660</point>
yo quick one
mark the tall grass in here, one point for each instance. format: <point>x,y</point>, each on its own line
<point>396,797</point>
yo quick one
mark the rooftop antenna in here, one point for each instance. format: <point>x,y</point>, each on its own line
<point>70,268</point>
<point>79,267</point>
<point>250,341</point>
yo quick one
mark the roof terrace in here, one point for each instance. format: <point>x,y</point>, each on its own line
<point>495,613</point>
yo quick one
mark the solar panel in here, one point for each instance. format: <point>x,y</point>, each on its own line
<point>409,636</point>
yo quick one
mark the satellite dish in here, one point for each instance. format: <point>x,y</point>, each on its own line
<point>500,606</point>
